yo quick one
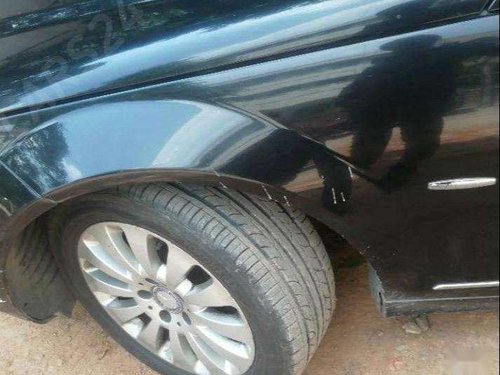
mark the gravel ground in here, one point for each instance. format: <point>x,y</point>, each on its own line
<point>359,341</point>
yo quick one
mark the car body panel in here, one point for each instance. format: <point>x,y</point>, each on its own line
<point>352,134</point>
<point>78,49</point>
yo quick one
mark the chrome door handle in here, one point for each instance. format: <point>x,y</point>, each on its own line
<point>462,183</point>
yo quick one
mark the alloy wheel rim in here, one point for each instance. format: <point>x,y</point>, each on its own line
<point>165,299</point>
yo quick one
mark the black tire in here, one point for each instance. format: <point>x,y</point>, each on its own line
<point>269,257</point>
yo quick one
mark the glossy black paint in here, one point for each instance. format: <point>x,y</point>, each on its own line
<point>348,119</point>
<point>84,48</point>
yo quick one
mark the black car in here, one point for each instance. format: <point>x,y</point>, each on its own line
<point>169,164</point>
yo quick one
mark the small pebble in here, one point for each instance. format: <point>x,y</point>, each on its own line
<point>413,328</point>
<point>423,322</point>
<point>402,348</point>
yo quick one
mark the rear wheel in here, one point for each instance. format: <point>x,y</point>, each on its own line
<point>198,280</point>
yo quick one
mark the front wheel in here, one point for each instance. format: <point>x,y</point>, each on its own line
<point>199,280</point>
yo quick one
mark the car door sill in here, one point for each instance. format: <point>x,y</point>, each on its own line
<point>454,286</point>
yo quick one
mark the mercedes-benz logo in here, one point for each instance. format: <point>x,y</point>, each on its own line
<point>168,300</point>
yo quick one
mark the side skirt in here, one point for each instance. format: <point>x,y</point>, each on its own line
<point>392,304</point>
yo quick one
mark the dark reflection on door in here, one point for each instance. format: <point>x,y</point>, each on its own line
<point>409,86</point>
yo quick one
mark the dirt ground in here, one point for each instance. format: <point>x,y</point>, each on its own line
<point>359,341</point>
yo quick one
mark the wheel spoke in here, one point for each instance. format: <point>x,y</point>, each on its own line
<point>209,294</point>
<point>181,355</point>
<point>100,282</point>
<point>105,243</point>
<point>226,325</point>
<point>140,245</point>
<point>214,364</point>
<point>178,266</point>
<point>232,351</point>
<point>124,313</point>
<point>99,258</point>
<point>151,335</point>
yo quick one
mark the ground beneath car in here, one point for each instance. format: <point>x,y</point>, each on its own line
<point>359,341</point>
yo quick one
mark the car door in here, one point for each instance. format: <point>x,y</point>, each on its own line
<point>421,120</point>
<point>407,111</point>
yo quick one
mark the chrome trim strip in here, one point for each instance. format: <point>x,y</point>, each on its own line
<point>485,284</point>
<point>462,183</point>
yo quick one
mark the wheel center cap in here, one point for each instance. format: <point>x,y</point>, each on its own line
<point>168,300</point>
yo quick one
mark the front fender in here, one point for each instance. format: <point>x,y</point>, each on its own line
<point>80,149</point>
